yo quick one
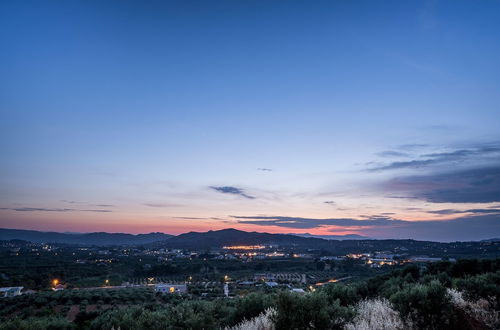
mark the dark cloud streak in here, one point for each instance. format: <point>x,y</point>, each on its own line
<point>231,190</point>
<point>43,209</point>
<point>307,223</point>
<point>473,227</point>
<point>480,185</point>
<point>459,155</point>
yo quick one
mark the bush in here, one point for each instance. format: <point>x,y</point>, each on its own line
<point>263,321</point>
<point>48,323</point>
<point>376,314</point>
<point>310,311</point>
<point>428,306</point>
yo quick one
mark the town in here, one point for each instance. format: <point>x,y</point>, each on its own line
<point>228,271</point>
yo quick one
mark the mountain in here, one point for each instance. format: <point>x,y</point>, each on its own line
<point>226,237</point>
<point>102,239</point>
<point>334,237</point>
<point>231,237</point>
<point>491,240</point>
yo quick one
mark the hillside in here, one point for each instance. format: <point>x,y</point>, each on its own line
<point>225,237</point>
<point>82,239</point>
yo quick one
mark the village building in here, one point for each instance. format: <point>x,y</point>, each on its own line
<point>11,291</point>
<point>171,288</point>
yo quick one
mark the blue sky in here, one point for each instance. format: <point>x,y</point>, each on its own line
<point>167,112</point>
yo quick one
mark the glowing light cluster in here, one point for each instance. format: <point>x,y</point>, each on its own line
<point>329,281</point>
<point>244,247</point>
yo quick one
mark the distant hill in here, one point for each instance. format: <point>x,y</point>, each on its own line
<point>335,237</point>
<point>101,239</point>
<point>226,237</point>
<point>491,240</point>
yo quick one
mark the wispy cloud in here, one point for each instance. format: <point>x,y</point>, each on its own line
<point>479,185</point>
<point>160,205</point>
<point>392,153</point>
<point>438,158</point>
<point>265,169</point>
<point>474,211</point>
<point>98,211</point>
<point>36,209</point>
<point>197,218</point>
<point>231,190</point>
<point>307,223</point>
<point>472,227</point>
<point>406,164</point>
<point>88,204</point>
<point>43,209</point>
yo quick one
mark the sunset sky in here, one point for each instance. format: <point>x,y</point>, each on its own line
<point>377,118</point>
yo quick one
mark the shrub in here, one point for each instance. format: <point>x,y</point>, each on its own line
<point>311,311</point>
<point>428,306</point>
<point>376,314</point>
<point>263,321</point>
<point>481,310</point>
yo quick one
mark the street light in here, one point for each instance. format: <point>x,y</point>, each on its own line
<point>55,282</point>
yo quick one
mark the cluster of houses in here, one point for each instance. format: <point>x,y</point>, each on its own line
<point>380,259</point>
<point>281,277</point>
<point>171,288</point>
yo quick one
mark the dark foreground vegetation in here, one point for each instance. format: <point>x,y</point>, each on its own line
<point>444,295</point>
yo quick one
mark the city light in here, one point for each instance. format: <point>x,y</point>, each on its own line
<point>245,247</point>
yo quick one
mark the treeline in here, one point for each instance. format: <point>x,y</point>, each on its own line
<point>461,295</point>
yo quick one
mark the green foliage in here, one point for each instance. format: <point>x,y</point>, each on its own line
<point>486,286</point>
<point>428,306</point>
<point>196,315</point>
<point>418,293</point>
<point>39,323</point>
<point>343,294</point>
<point>251,306</point>
<point>313,311</point>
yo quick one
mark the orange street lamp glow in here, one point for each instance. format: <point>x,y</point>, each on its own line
<point>55,282</point>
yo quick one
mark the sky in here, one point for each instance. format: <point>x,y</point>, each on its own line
<point>376,118</point>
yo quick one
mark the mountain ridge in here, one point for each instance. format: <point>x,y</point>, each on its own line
<point>332,237</point>
<point>95,238</point>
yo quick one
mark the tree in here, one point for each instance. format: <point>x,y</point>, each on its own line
<point>377,314</point>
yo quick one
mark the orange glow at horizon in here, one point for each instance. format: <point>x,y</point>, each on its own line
<point>121,222</point>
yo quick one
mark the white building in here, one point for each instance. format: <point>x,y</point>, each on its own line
<point>10,291</point>
<point>264,277</point>
<point>424,259</point>
<point>332,258</point>
<point>171,288</point>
